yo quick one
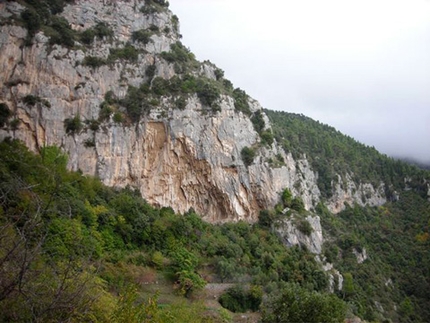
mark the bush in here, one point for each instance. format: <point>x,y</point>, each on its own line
<point>73,125</point>
<point>267,137</point>
<point>93,61</point>
<point>178,53</point>
<point>101,30</point>
<point>241,101</point>
<point>301,306</point>
<point>181,103</point>
<point>32,100</point>
<point>237,299</point>
<point>5,114</point>
<point>305,227</point>
<point>258,121</point>
<point>247,155</point>
<point>128,52</point>
<point>61,32</point>
<point>32,21</point>
<point>208,93</point>
<point>154,6</point>
<point>142,36</point>
<point>136,103</point>
<point>297,204</point>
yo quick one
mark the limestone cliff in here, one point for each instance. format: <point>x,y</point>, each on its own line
<point>187,157</point>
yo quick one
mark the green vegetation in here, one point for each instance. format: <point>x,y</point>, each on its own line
<point>93,61</point>
<point>241,101</point>
<point>154,6</point>
<point>298,305</point>
<point>5,114</point>
<point>396,237</point>
<point>237,299</point>
<point>42,15</point>
<point>32,100</point>
<point>142,36</point>
<point>128,52</point>
<point>248,155</point>
<point>330,153</point>
<point>75,250</point>
<point>101,30</point>
<point>73,125</point>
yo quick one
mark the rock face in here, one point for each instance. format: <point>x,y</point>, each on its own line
<point>291,232</point>
<point>182,158</point>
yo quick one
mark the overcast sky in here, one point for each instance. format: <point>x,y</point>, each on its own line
<point>362,67</point>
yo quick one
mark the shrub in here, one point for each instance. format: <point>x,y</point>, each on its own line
<point>160,86</point>
<point>101,30</point>
<point>305,227</point>
<point>5,114</point>
<point>136,103</point>
<point>154,6</point>
<point>94,125</point>
<point>208,93</point>
<point>287,197</point>
<point>219,74</point>
<point>237,299</point>
<point>32,21</point>
<point>32,100</point>
<point>14,123</point>
<point>128,52</point>
<point>175,23</point>
<point>247,155</point>
<point>178,53</point>
<point>267,137</point>
<point>93,61</point>
<point>118,117</point>
<point>241,101</point>
<point>298,305</point>
<point>258,121</point>
<point>61,32</point>
<point>150,71</point>
<point>142,36</point>
<point>89,143</point>
<point>181,103</point>
<point>73,125</point>
<point>297,204</point>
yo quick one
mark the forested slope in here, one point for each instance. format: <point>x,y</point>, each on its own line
<point>394,281</point>
<point>72,249</point>
<point>332,153</point>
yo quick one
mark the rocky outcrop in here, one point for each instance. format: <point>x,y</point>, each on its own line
<point>346,191</point>
<point>361,256</point>
<point>189,158</point>
<point>305,232</point>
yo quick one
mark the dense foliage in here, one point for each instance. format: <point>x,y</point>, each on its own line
<point>331,153</point>
<point>86,244</point>
<point>397,239</point>
<point>297,305</point>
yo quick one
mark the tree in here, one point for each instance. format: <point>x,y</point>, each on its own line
<point>287,197</point>
<point>297,305</point>
<point>247,155</point>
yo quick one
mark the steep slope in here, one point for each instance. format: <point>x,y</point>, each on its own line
<point>110,83</point>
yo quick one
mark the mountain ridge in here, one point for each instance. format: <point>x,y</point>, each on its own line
<point>120,84</point>
<point>111,85</point>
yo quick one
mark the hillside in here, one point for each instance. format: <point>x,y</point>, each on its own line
<point>114,87</point>
<point>133,175</point>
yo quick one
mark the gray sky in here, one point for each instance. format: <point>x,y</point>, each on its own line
<point>362,67</point>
